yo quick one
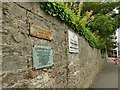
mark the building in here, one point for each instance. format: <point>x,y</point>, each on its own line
<point>119,42</point>
<point>115,52</point>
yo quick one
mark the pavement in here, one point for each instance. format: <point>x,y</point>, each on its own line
<point>108,77</point>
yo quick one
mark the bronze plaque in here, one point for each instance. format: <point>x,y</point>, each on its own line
<point>40,32</point>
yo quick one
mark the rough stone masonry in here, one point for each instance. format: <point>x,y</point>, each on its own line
<point>69,70</point>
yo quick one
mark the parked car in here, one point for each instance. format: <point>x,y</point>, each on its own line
<point>111,58</point>
<point>114,59</point>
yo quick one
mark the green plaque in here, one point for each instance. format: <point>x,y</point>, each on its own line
<point>42,56</point>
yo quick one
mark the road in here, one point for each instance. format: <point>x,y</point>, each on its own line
<point>108,78</point>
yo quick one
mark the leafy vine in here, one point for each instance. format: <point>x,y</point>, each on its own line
<point>77,23</point>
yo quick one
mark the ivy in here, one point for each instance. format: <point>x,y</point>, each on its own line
<point>61,11</point>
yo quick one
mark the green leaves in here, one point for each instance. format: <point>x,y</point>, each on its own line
<point>106,20</point>
<point>103,25</point>
<point>67,15</point>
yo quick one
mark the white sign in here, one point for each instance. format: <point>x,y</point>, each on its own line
<point>73,42</point>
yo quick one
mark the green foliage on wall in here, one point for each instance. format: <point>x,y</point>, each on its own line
<point>77,23</point>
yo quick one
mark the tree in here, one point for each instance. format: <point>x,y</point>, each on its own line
<point>106,21</point>
<point>100,7</point>
<point>103,8</point>
<point>103,26</point>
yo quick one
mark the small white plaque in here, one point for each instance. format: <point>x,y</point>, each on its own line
<point>73,42</point>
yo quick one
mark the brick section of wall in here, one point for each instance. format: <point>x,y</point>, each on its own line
<point>69,70</point>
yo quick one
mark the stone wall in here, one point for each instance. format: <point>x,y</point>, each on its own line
<point>0,45</point>
<point>69,69</point>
